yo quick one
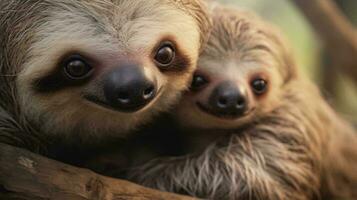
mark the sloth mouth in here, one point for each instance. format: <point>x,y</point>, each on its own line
<point>95,100</point>
<point>99,102</point>
<point>230,116</point>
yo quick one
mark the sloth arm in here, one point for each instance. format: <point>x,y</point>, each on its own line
<point>271,160</point>
<point>12,133</point>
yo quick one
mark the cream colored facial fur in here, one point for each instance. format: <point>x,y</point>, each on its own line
<point>250,51</point>
<point>111,32</point>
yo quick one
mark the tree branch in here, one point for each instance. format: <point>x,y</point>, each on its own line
<point>25,175</point>
<point>335,30</point>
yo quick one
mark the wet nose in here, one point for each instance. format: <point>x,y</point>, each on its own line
<point>228,99</point>
<point>127,89</point>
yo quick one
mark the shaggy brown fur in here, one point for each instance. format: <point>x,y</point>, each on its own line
<point>36,34</point>
<point>293,146</point>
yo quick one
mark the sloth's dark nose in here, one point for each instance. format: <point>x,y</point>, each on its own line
<point>228,99</point>
<point>127,89</point>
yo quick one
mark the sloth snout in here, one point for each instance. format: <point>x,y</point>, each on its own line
<point>127,89</point>
<point>227,99</point>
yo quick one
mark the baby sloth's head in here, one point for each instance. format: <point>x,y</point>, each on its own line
<point>241,73</point>
<point>99,66</point>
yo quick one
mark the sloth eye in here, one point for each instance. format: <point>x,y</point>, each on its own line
<point>259,86</point>
<point>198,82</point>
<point>165,55</point>
<point>76,68</point>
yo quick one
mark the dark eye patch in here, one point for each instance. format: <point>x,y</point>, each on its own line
<point>259,84</point>
<point>199,81</point>
<point>165,55</point>
<point>58,79</point>
<point>181,61</point>
<point>55,81</point>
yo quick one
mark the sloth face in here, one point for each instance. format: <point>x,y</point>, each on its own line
<point>239,78</point>
<point>227,95</point>
<point>230,95</point>
<point>97,67</point>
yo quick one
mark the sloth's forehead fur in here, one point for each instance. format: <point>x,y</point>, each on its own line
<point>106,24</point>
<point>242,37</point>
<point>121,28</point>
<point>121,19</point>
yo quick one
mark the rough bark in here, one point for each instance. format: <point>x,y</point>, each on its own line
<point>25,175</point>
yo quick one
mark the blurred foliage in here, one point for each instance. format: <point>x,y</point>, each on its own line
<point>307,46</point>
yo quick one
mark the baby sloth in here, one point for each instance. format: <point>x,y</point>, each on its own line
<point>92,69</point>
<point>256,128</point>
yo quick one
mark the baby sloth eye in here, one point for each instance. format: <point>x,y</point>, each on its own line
<point>198,82</point>
<point>165,55</point>
<point>76,68</point>
<point>259,86</point>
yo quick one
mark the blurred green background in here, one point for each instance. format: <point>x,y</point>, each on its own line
<point>338,89</point>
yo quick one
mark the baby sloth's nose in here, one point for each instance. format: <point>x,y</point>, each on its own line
<point>228,99</point>
<point>127,89</point>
